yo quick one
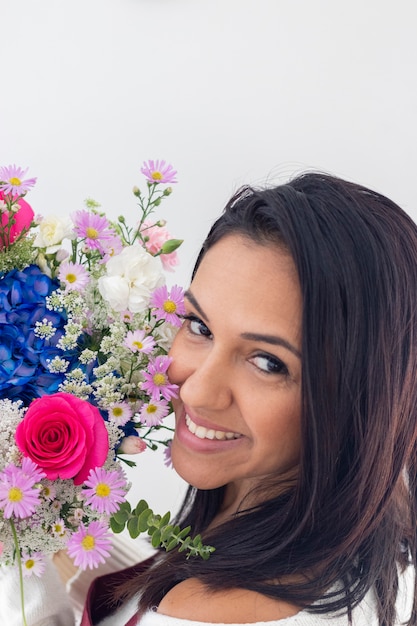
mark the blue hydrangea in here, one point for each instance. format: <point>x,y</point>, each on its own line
<point>23,355</point>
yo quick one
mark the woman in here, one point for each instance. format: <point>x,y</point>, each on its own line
<point>296,421</point>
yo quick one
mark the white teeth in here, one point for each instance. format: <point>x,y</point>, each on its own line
<point>208,433</point>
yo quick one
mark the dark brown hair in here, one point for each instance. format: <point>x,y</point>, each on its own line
<point>351,516</point>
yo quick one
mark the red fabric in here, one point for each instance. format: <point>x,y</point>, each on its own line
<point>99,603</point>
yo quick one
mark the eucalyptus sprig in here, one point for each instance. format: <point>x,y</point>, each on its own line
<point>163,534</point>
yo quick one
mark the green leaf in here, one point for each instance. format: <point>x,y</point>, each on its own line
<point>166,532</point>
<point>171,545</point>
<point>156,538</point>
<point>116,528</point>
<point>133,527</point>
<point>141,506</point>
<point>143,520</point>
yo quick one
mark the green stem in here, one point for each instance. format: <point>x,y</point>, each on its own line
<point>19,564</point>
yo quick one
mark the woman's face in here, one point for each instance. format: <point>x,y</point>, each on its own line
<point>237,362</point>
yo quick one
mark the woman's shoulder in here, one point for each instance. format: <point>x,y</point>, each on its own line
<point>192,600</point>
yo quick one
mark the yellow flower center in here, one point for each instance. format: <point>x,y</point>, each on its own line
<point>29,563</point>
<point>117,411</point>
<point>102,490</point>
<point>151,408</point>
<point>159,379</point>
<point>58,528</point>
<point>88,542</point>
<point>138,344</point>
<point>92,233</point>
<point>15,181</point>
<point>15,494</point>
<point>169,306</point>
<point>71,278</point>
<point>156,176</point>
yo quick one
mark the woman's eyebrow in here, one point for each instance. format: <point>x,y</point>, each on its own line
<point>195,304</point>
<point>272,339</point>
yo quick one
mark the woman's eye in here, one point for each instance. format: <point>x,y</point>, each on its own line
<point>196,326</point>
<point>270,364</point>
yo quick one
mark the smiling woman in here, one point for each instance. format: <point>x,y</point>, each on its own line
<point>295,424</point>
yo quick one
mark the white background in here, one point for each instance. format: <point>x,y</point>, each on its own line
<point>228,91</point>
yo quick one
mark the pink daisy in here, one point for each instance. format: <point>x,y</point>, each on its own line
<point>74,276</point>
<point>120,412</point>
<point>158,172</point>
<point>156,381</point>
<point>126,316</point>
<point>138,341</point>
<point>168,305</point>
<point>33,564</point>
<point>154,412</point>
<point>167,455</point>
<point>105,490</point>
<point>29,470</point>
<point>58,528</point>
<point>11,180</point>
<point>18,497</point>
<point>89,546</point>
<point>111,247</point>
<point>94,228</point>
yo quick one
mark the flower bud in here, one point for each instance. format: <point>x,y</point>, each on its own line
<point>170,246</point>
<point>131,445</point>
<point>168,191</point>
<point>136,191</point>
<point>61,255</point>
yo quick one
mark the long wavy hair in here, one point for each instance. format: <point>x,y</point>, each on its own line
<point>350,518</point>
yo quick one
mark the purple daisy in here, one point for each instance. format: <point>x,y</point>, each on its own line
<point>120,413</point>
<point>89,546</point>
<point>167,455</point>
<point>105,490</point>
<point>74,276</point>
<point>17,495</point>
<point>12,180</point>
<point>94,228</point>
<point>169,305</point>
<point>152,413</point>
<point>156,381</point>
<point>158,172</point>
<point>138,341</point>
<point>33,564</point>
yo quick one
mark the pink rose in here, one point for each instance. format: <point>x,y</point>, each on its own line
<point>23,218</point>
<point>64,435</point>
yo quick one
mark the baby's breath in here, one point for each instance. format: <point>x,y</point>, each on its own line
<point>58,365</point>
<point>44,329</point>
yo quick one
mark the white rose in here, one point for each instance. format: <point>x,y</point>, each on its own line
<point>52,230</point>
<point>130,279</point>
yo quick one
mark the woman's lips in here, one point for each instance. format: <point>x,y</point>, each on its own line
<point>209,433</point>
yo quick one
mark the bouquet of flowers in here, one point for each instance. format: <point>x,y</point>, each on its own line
<point>86,322</point>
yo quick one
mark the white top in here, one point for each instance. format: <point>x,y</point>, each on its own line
<point>363,615</point>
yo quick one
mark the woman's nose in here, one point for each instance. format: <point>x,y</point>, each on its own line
<point>207,383</point>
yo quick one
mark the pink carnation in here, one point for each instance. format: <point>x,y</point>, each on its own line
<point>64,435</point>
<point>155,237</point>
